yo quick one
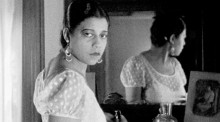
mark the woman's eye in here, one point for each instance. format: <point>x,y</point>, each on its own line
<point>88,34</point>
<point>104,36</point>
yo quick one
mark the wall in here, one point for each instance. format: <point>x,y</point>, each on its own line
<point>53,17</point>
<point>128,36</point>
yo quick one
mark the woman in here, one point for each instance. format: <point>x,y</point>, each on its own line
<point>156,76</point>
<point>61,92</point>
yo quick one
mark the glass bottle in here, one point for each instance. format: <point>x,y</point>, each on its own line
<point>165,114</point>
<point>117,116</point>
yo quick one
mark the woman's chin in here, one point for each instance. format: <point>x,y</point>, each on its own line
<point>92,62</point>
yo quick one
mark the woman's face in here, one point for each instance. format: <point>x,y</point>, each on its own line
<point>179,43</point>
<point>89,40</point>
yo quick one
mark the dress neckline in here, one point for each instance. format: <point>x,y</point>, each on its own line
<point>151,67</point>
<point>73,70</point>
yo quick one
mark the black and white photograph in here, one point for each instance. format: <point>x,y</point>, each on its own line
<point>203,97</point>
<point>109,61</point>
<point>206,98</point>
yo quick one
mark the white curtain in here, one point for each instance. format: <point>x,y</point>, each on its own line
<point>10,60</point>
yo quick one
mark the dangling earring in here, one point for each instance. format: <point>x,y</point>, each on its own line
<point>99,61</point>
<point>165,38</point>
<point>172,50</point>
<point>68,54</point>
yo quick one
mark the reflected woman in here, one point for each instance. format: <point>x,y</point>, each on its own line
<point>156,76</point>
<point>61,92</point>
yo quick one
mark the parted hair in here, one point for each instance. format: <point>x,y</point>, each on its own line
<point>163,26</point>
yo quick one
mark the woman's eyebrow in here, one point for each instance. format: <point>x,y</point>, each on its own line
<point>105,31</point>
<point>87,29</point>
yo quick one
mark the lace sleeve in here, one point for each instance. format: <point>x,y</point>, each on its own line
<point>39,86</point>
<point>132,74</point>
<point>63,95</point>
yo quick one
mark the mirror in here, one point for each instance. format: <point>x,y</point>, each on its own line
<point>128,36</point>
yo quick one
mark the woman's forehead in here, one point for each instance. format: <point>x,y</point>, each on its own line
<point>94,23</point>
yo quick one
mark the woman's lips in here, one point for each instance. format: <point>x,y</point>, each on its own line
<point>95,54</point>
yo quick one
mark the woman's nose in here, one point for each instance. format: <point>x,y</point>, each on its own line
<point>97,42</point>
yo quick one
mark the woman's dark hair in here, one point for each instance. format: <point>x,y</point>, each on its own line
<point>164,26</point>
<point>79,10</point>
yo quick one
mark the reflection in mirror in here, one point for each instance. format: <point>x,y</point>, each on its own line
<point>156,76</point>
<point>130,36</point>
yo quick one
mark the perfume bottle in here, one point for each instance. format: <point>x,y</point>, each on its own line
<point>165,113</point>
<point>117,116</point>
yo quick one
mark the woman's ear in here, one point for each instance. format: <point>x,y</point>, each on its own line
<point>66,34</point>
<point>172,39</point>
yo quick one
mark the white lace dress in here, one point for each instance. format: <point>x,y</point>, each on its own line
<point>157,87</point>
<point>66,94</point>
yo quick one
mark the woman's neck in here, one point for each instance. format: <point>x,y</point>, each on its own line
<point>74,64</point>
<point>159,54</point>
<point>160,60</point>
